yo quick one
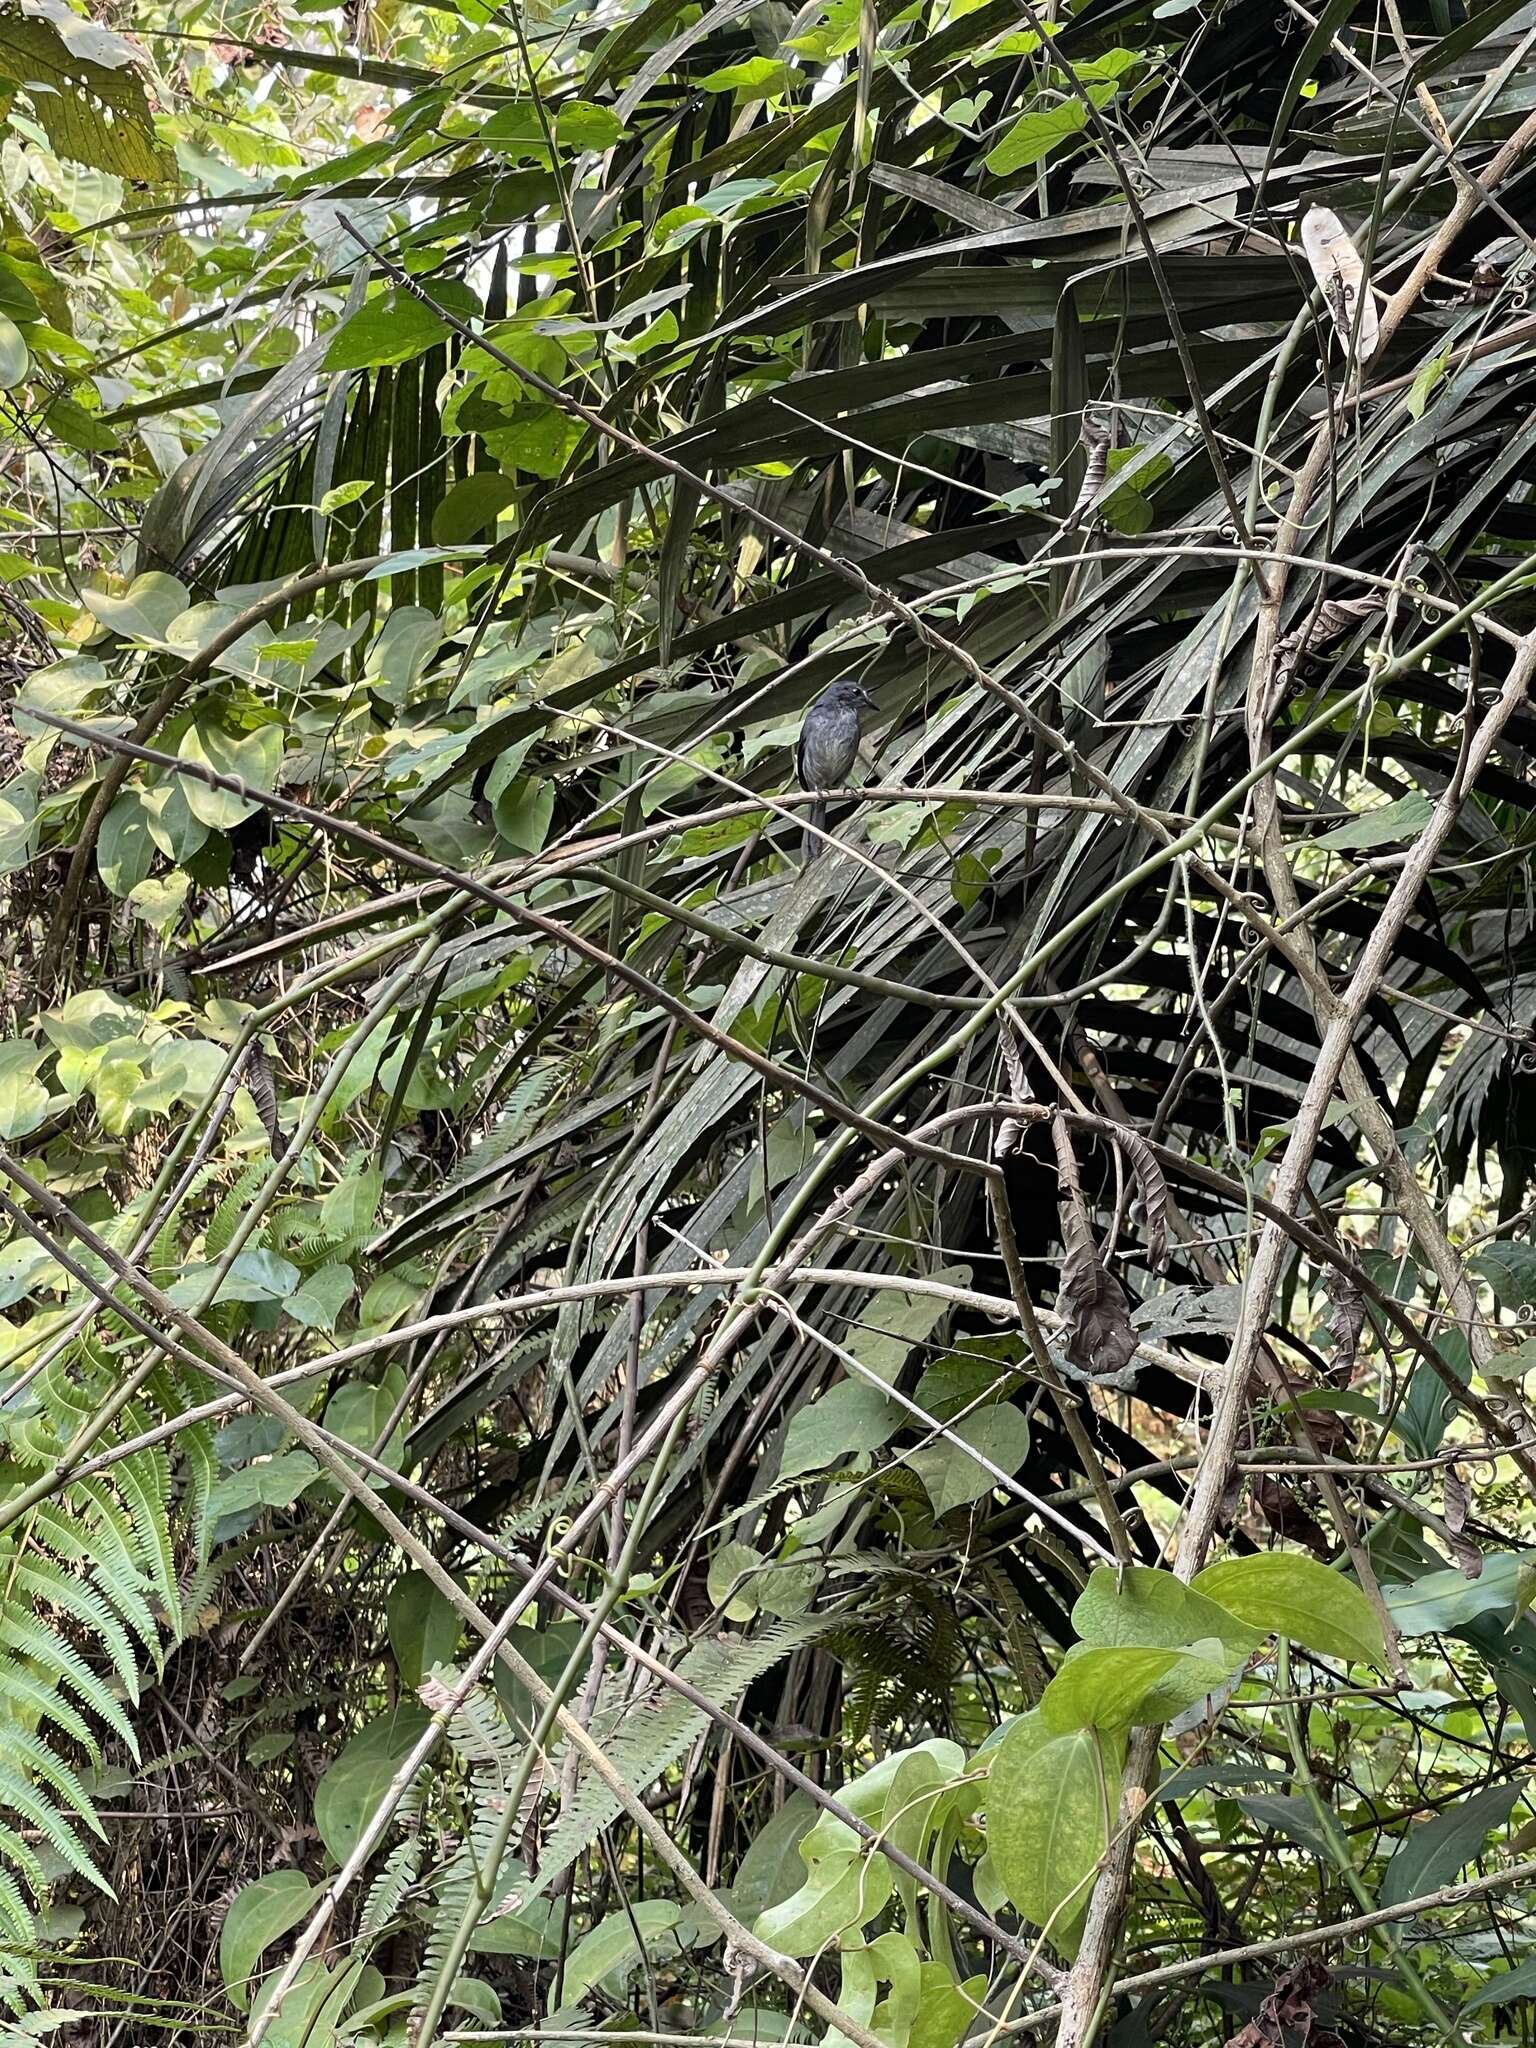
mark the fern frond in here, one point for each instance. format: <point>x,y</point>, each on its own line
<point>26,1751</point>
<point>22,1689</point>
<point>44,1646</point>
<point>647,1736</point>
<point>101,1542</point>
<point>225,1220</point>
<point>55,1588</point>
<point>24,1799</point>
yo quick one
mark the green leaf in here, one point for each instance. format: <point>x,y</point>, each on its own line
<point>1297,1597</point>
<point>771,1870</point>
<point>349,1791</point>
<point>271,1483</point>
<point>1440,1601</point>
<point>1034,135</point>
<point>15,360</point>
<point>1510,1270</point>
<point>254,759</point>
<point>1429,375</point>
<point>849,1420</point>
<point>23,1098</point>
<point>953,1477</point>
<point>613,1948</point>
<point>1434,1852</point>
<point>395,327</point>
<point>523,813</point>
<point>359,1412</point>
<point>845,1888</point>
<point>1140,1605</point>
<point>1504,1987</point>
<point>1119,1688</point>
<point>125,851</point>
<point>145,609</point>
<point>424,1628</point>
<point>1048,1797</point>
<point>1403,819</point>
<point>1291,1815</point>
<point>890,1326</point>
<point>582,125</point>
<point>259,1915</point>
<point>350,1207</point>
<point>345,494</point>
<point>472,505</point>
<point>321,1296</point>
<point>732,1582</point>
<point>759,76</point>
<point>85,90</point>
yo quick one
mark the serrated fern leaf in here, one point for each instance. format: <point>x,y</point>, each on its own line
<point>55,1588</point>
<point>45,1647</point>
<point>653,1732</point>
<point>24,1799</point>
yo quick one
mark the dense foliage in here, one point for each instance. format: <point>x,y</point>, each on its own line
<point>614,1422</point>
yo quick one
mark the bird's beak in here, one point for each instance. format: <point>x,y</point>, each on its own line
<point>865,698</point>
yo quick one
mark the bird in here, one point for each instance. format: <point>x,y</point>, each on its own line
<point>829,740</point>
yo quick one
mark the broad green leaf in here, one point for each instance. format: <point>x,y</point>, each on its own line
<point>254,758</point>
<point>1120,1687</point>
<point>345,494</point>
<point>1403,819</point>
<point>759,76</point>
<point>1505,1987</point>
<point>18,822</point>
<point>733,1580</point>
<point>1510,1270</point>
<point>893,1322</point>
<point>1047,1806</point>
<point>472,505</point>
<point>349,1208</point>
<point>124,848</point>
<point>1294,1596</point>
<point>1292,1815</point>
<point>360,1776</point>
<point>395,327</point>
<point>845,1887</point>
<point>321,1296</point>
<point>1439,1601</point>
<point>1142,1606</point>
<point>849,1420</point>
<point>1434,1852</point>
<point>582,125</point>
<point>160,899</point>
<point>524,812</point>
<point>359,1412</point>
<point>85,89</point>
<point>424,1628</point>
<point>952,1476</point>
<point>145,609</point>
<point>771,1870</point>
<point>15,360</point>
<point>23,1098</point>
<point>260,1914</point>
<point>1034,135</point>
<point>613,1947</point>
<point>271,1483</point>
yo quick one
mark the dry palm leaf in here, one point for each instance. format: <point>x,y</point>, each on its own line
<point>1339,271</point>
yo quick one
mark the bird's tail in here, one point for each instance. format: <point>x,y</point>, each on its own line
<point>810,843</point>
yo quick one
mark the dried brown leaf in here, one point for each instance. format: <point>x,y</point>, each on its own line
<point>1093,1305</point>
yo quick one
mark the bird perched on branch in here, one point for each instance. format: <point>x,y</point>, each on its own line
<point>829,741</point>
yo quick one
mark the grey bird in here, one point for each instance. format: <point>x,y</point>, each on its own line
<point>829,741</point>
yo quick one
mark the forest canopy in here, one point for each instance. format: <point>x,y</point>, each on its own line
<point>766,1130</point>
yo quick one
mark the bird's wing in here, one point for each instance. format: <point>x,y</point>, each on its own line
<point>800,775</point>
